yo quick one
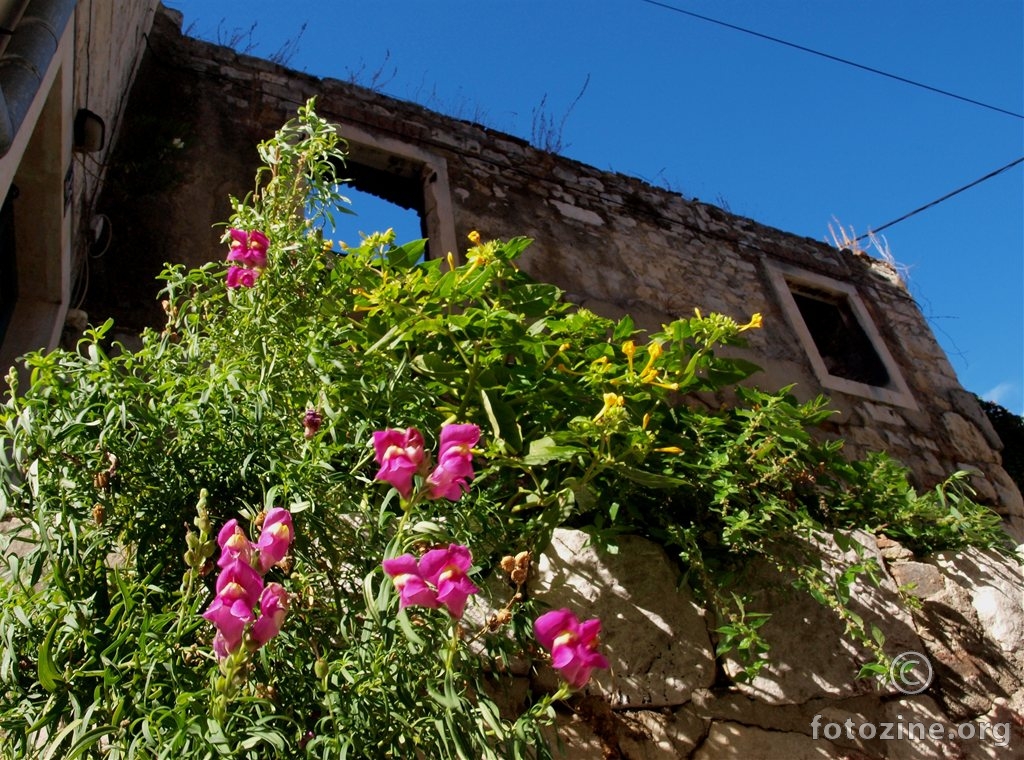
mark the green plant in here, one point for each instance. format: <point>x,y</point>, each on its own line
<point>119,468</point>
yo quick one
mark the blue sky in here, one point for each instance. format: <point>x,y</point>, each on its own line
<point>792,140</point>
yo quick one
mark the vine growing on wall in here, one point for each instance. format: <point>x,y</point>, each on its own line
<point>258,534</point>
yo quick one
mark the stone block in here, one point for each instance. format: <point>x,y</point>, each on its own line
<point>918,579</point>
<point>653,634</point>
<point>734,741</point>
<point>798,671</point>
<point>966,440</point>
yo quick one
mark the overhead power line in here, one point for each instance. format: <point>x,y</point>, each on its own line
<point>945,197</point>
<point>831,57</point>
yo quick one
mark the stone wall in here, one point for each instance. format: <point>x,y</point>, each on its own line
<point>665,697</point>
<point>613,243</point>
<point>110,39</point>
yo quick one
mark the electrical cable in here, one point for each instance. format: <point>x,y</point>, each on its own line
<point>945,197</point>
<point>831,57</point>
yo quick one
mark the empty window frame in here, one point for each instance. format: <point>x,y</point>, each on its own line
<point>406,176</point>
<point>838,336</point>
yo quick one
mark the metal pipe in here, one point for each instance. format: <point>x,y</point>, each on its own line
<point>24,63</point>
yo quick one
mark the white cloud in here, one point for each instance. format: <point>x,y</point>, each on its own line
<point>1007,395</point>
<point>998,394</point>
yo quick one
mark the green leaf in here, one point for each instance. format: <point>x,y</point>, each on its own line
<point>545,450</point>
<point>46,669</point>
<point>645,478</point>
<point>623,330</point>
<point>503,421</point>
<point>407,255</point>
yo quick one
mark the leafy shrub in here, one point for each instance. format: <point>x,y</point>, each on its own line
<point>264,391</point>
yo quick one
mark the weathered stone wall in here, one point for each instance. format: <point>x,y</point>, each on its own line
<point>109,44</point>
<point>664,698</point>
<point>613,243</point>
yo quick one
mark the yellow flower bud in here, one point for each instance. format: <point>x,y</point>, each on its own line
<point>754,323</point>
<point>474,237</point>
<point>612,401</point>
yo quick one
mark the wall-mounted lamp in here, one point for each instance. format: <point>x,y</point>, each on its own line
<point>90,131</point>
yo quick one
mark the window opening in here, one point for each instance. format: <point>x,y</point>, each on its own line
<point>378,201</point>
<point>844,347</point>
<point>381,199</point>
<point>835,330</point>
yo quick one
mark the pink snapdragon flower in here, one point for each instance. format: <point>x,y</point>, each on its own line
<point>445,570</point>
<point>311,423</point>
<point>454,462</point>
<point>248,257</point>
<point>273,610</point>
<point>573,644</point>
<point>412,588</point>
<point>234,544</point>
<point>400,455</point>
<point>241,277</point>
<point>275,538</point>
<point>437,579</point>
<point>238,589</point>
<point>248,249</point>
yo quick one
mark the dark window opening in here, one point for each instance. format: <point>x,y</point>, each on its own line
<point>8,262</point>
<point>384,194</point>
<point>844,347</point>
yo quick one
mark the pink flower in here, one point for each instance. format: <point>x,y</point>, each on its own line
<point>445,569</point>
<point>239,245</point>
<point>454,462</point>
<point>238,589</point>
<point>234,544</point>
<point>311,423</point>
<point>412,588</point>
<point>238,580</point>
<point>258,244</point>
<point>273,610</point>
<point>400,455</point>
<point>250,249</point>
<point>240,277</point>
<point>275,538</point>
<point>572,644</point>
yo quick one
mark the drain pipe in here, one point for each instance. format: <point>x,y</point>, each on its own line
<point>25,61</point>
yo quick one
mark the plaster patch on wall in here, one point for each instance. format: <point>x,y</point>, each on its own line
<point>579,214</point>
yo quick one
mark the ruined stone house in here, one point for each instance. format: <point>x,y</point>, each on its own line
<point>168,156</point>
<point>836,322</point>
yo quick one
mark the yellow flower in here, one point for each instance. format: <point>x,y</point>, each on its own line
<point>650,372</point>
<point>629,349</point>
<point>474,237</point>
<point>754,323</point>
<point>612,402</point>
